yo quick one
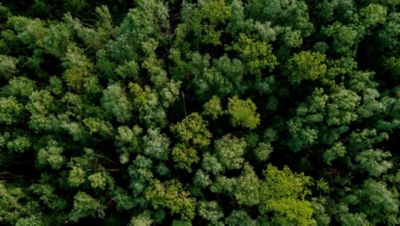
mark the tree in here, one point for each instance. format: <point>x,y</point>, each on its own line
<point>306,65</point>
<point>256,54</point>
<point>243,113</point>
<point>229,152</point>
<point>213,107</point>
<point>193,129</point>
<point>283,193</point>
<point>114,100</point>
<point>171,195</point>
<point>85,205</point>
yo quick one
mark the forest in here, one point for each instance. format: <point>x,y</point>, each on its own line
<point>207,112</point>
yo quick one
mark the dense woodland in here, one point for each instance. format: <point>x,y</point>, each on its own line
<point>209,112</point>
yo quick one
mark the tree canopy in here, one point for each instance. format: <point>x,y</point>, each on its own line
<point>208,112</point>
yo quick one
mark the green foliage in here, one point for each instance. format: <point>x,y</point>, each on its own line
<point>263,151</point>
<point>97,180</point>
<point>257,55</point>
<point>147,102</point>
<point>8,66</point>
<point>127,140</point>
<point>283,192</point>
<point>76,176</point>
<point>213,107</point>
<point>141,220</point>
<point>85,205</point>
<point>373,161</point>
<point>203,19</point>
<point>192,129</point>
<point>342,107</point>
<point>243,113</point>
<point>306,65</point>
<point>376,194</point>
<point>97,126</point>
<point>336,151</point>
<point>171,195</point>
<point>207,112</point>
<point>373,14</point>
<point>229,151</point>
<point>184,157</point>
<point>51,155</point>
<point>201,179</point>
<point>239,217</point>
<point>156,144</point>
<point>19,87</point>
<point>210,211</point>
<point>11,207</point>
<point>115,101</point>
<point>78,68</point>
<point>222,76</point>
<point>344,37</point>
<point>10,109</point>
<point>19,144</point>
<point>40,106</point>
<point>247,187</point>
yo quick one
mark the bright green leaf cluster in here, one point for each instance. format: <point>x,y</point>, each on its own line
<point>243,113</point>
